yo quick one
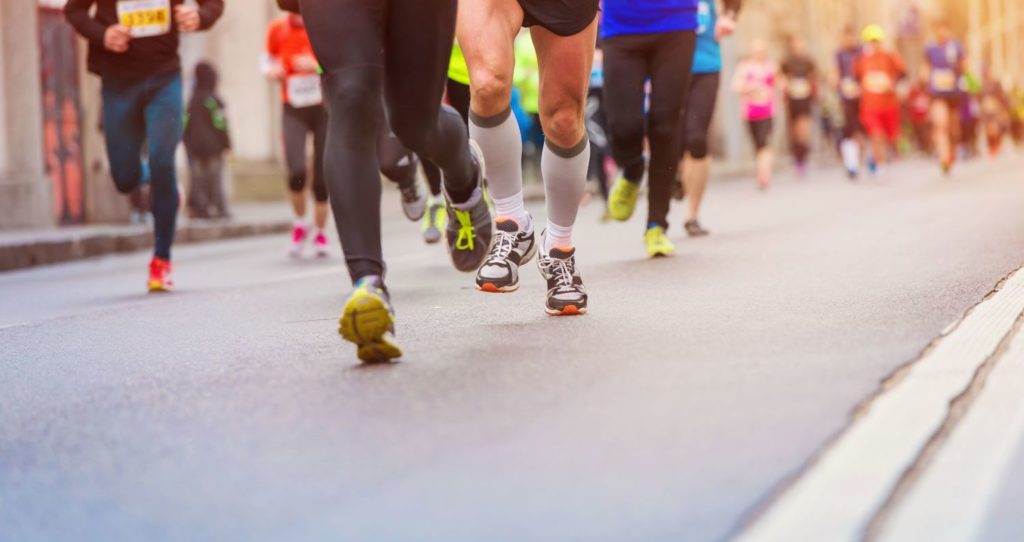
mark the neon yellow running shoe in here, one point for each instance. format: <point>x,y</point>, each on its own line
<point>622,199</point>
<point>434,223</point>
<point>658,243</point>
<point>368,322</point>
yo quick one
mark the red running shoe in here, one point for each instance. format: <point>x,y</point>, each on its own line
<point>160,275</point>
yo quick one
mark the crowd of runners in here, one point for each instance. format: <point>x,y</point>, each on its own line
<point>623,92</point>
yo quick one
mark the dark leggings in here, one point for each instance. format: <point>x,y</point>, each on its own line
<point>628,61</point>
<point>416,37</point>
<point>296,124</point>
<point>696,119</point>
<point>760,132</point>
<point>397,163</point>
<point>458,97</point>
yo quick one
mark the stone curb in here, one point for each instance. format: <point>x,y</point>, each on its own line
<point>57,249</point>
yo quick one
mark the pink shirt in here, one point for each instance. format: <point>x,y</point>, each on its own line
<point>755,82</point>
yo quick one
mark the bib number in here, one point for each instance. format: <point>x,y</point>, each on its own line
<point>305,91</point>
<point>145,18</point>
<point>944,80</point>
<point>799,88</point>
<point>877,82</point>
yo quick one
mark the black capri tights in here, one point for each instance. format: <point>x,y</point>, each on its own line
<point>696,120</point>
<point>296,124</point>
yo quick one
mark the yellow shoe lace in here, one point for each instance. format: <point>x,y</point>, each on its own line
<point>467,233</point>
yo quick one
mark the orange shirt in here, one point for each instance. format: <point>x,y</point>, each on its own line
<point>878,72</point>
<point>285,42</point>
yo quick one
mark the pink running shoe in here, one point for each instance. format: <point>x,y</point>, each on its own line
<point>320,242</point>
<point>299,233</point>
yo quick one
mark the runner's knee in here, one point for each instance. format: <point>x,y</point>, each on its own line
<point>296,181</point>
<point>697,145</point>
<point>563,122</point>
<point>353,95</point>
<point>491,91</point>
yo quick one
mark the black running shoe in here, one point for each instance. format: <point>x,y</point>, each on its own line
<point>470,228</point>
<point>512,248</point>
<point>566,294</point>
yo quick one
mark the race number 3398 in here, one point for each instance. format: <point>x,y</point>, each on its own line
<point>145,18</point>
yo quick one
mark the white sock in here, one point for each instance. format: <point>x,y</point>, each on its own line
<point>515,208</point>
<point>502,145</point>
<point>557,237</point>
<point>850,151</point>
<point>565,178</point>
<point>301,223</point>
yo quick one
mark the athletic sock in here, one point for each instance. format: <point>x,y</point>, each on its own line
<point>565,178</point>
<point>850,151</point>
<point>471,201</point>
<point>515,208</point>
<point>502,145</point>
<point>557,237</point>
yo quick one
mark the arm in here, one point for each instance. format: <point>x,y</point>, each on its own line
<point>726,24</point>
<point>209,12</point>
<point>289,5</point>
<point>77,14</point>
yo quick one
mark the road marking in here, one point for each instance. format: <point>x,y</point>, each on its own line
<point>838,495</point>
<point>963,479</point>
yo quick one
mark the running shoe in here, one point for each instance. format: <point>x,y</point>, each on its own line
<point>694,229</point>
<point>470,228</point>
<point>299,233</point>
<point>512,248</point>
<point>622,199</point>
<point>434,222</point>
<point>658,244</point>
<point>160,275</point>
<point>414,201</point>
<point>320,242</point>
<point>566,295</point>
<point>368,322</point>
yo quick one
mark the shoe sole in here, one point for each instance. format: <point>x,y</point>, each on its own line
<point>569,310</point>
<point>491,288</point>
<point>157,288</point>
<point>366,322</point>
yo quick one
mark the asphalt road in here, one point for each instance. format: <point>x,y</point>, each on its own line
<point>230,410</point>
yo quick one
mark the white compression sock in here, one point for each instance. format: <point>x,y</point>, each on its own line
<point>515,208</point>
<point>565,178</point>
<point>502,145</point>
<point>850,151</point>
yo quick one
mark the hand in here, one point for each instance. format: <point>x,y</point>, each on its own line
<point>187,18</point>
<point>725,27</point>
<point>276,73</point>
<point>116,38</point>
<point>305,64</point>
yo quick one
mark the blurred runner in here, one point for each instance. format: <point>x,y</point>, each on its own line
<point>995,111</point>
<point>292,63</point>
<point>564,34</point>
<point>416,37</point>
<point>943,68</point>
<point>919,104</point>
<point>800,87</point>
<point>695,164</point>
<point>597,131</point>
<point>755,81</point>
<point>845,81</point>
<point>1017,115</point>
<point>877,70</point>
<point>970,114</point>
<point>644,42</point>
<point>133,47</point>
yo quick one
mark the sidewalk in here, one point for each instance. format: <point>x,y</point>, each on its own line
<point>20,249</point>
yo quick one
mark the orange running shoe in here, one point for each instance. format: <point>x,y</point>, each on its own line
<point>160,275</point>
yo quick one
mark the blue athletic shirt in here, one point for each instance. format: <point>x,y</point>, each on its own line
<point>622,17</point>
<point>708,56</point>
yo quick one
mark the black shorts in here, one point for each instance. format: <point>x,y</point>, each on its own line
<point>799,108</point>
<point>563,17</point>
<point>851,118</point>
<point>760,132</point>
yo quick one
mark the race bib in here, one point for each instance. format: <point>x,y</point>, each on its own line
<point>878,82</point>
<point>305,90</point>
<point>145,18</point>
<point>849,88</point>
<point>944,80</point>
<point>799,88</point>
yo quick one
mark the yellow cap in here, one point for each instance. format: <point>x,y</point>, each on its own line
<point>873,32</point>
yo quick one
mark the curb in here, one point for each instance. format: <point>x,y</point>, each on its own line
<point>73,247</point>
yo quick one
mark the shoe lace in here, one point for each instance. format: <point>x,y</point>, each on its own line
<point>467,233</point>
<point>561,271</point>
<point>504,242</point>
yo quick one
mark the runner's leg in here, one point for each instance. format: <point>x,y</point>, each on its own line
<point>318,125</point>
<point>293,136</point>
<point>564,63</point>
<point>163,134</point>
<point>626,69</point>
<point>124,127</point>
<point>696,122</point>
